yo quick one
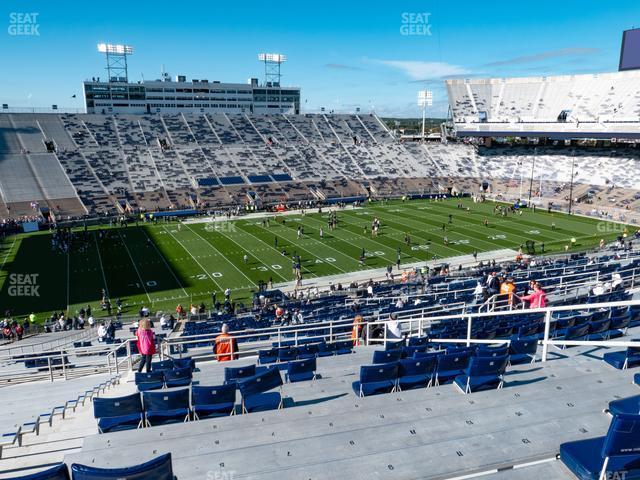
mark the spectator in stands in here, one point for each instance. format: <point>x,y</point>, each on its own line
<point>394,332</point>
<point>102,332</point>
<point>226,347</point>
<point>146,344</point>
<point>356,330</point>
<point>507,289</point>
<point>538,299</point>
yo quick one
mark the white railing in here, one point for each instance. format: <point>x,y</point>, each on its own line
<point>48,345</point>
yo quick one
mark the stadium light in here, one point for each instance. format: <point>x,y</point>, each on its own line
<point>117,49</point>
<point>425,99</point>
<point>272,57</point>
<point>272,63</point>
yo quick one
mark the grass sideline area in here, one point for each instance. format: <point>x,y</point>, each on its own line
<point>161,265</point>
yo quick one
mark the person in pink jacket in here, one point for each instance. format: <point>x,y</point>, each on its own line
<point>146,343</point>
<point>537,299</point>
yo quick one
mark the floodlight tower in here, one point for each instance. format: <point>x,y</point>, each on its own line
<point>425,99</point>
<point>116,60</point>
<point>272,64</point>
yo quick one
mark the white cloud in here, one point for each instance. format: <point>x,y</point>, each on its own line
<point>418,70</point>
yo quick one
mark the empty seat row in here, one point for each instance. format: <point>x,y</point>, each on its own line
<point>310,350</point>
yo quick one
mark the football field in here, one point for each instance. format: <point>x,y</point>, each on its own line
<point>162,264</point>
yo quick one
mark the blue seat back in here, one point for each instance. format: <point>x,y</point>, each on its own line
<point>301,366</point>
<point>157,469</point>
<point>268,356</point>
<point>416,366</point>
<point>523,346</point>
<point>149,377</point>
<point>116,407</point>
<point>232,374</point>
<point>453,361</point>
<point>184,362</point>
<point>622,437</point>
<point>59,472</point>
<point>418,341</point>
<point>492,351</point>
<point>383,356</point>
<point>378,373</point>
<point>162,365</point>
<point>389,346</point>
<point>260,383</point>
<point>484,366</point>
<point>177,374</point>
<point>434,354</point>
<point>577,331</point>
<point>204,395</point>
<point>166,399</point>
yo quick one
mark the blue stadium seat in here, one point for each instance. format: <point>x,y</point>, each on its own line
<point>326,349</point>
<point>157,469</point>
<point>397,345</point>
<point>307,351</point>
<point>636,379</point>
<point>178,377</point>
<point>161,365</point>
<point>599,329</point>
<point>418,341</point>
<point>267,356</point>
<point>184,362</point>
<point>624,359</point>
<point>301,370</point>
<point>629,405</point>
<point>256,394</point>
<point>407,352</point>
<point>233,374</point>
<point>121,413</point>
<point>483,373</point>
<point>416,373</point>
<point>501,351</point>
<point>344,347</point>
<point>216,401</point>
<point>577,332</point>
<point>287,354</point>
<point>608,456</point>
<point>383,356</point>
<point>59,472</point>
<point>522,350</point>
<point>619,325</point>
<point>450,366</point>
<point>167,406</point>
<point>149,381</point>
<point>376,379</point>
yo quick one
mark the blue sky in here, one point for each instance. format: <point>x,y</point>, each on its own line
<point>343,54</point>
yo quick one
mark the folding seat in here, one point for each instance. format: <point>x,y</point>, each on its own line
<point>167,406</point>
<point>344,347</point>
<point>157,469</point>
<point>471,350</point>
<point>418,341</point>
<point>433,354</point>
<point>267,356</point>
<point>599,329</point>
<point>307,351</point>
<point>394,345</point>
<point>178,377</point>
<point>149,381</point>
<point>376,379</point>
<point>522,350</point>
<point>161,365</point>
<point>634,311</point>
<point>326,349</point>
<point>450,366</point>
<point>233,374</point>
<point>636,379</point>
<point>380,356</point>
<point>526,331</point>
<point>606,457</point>
<point>577,332</point>
<point>619,325</point>
<point>255,393</point>
<point>504,330</point>
<point>59,472</point>
<point>216,401</point>
<point>407,352</point>
<point>301,370</point>
<point>416,373</point>
<point>629,405</point>
<point>487,351</point>
<point>287,354</point>
<point>560,326</point>
<point>121,413</point>
<point>483,373</point>
<point>184,362</point>
<point>623,359</point>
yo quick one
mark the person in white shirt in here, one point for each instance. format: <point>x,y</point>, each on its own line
<point>370,291</point>
<point>163,320</point>
<point>616,280</point>
<point>91,321</point>
<point>394,331</point>
<point>102,332</point>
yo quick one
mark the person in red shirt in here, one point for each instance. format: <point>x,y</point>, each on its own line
<point>226,347</point>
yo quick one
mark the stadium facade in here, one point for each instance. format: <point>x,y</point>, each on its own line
<point>189,96</point>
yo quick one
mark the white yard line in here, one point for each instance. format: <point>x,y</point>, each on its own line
<point>104,277</point>
<point>221,255</point>
<point>194,259</point>
<point>6,257</point>
<point>135,267</point>
<point>165,263</point>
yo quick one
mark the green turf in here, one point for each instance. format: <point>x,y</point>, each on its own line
<point>161,265</point>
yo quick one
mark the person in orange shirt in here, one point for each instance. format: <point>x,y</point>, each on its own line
<point>356,331</point>
<point>507,289</point>
<point>226,347</point>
